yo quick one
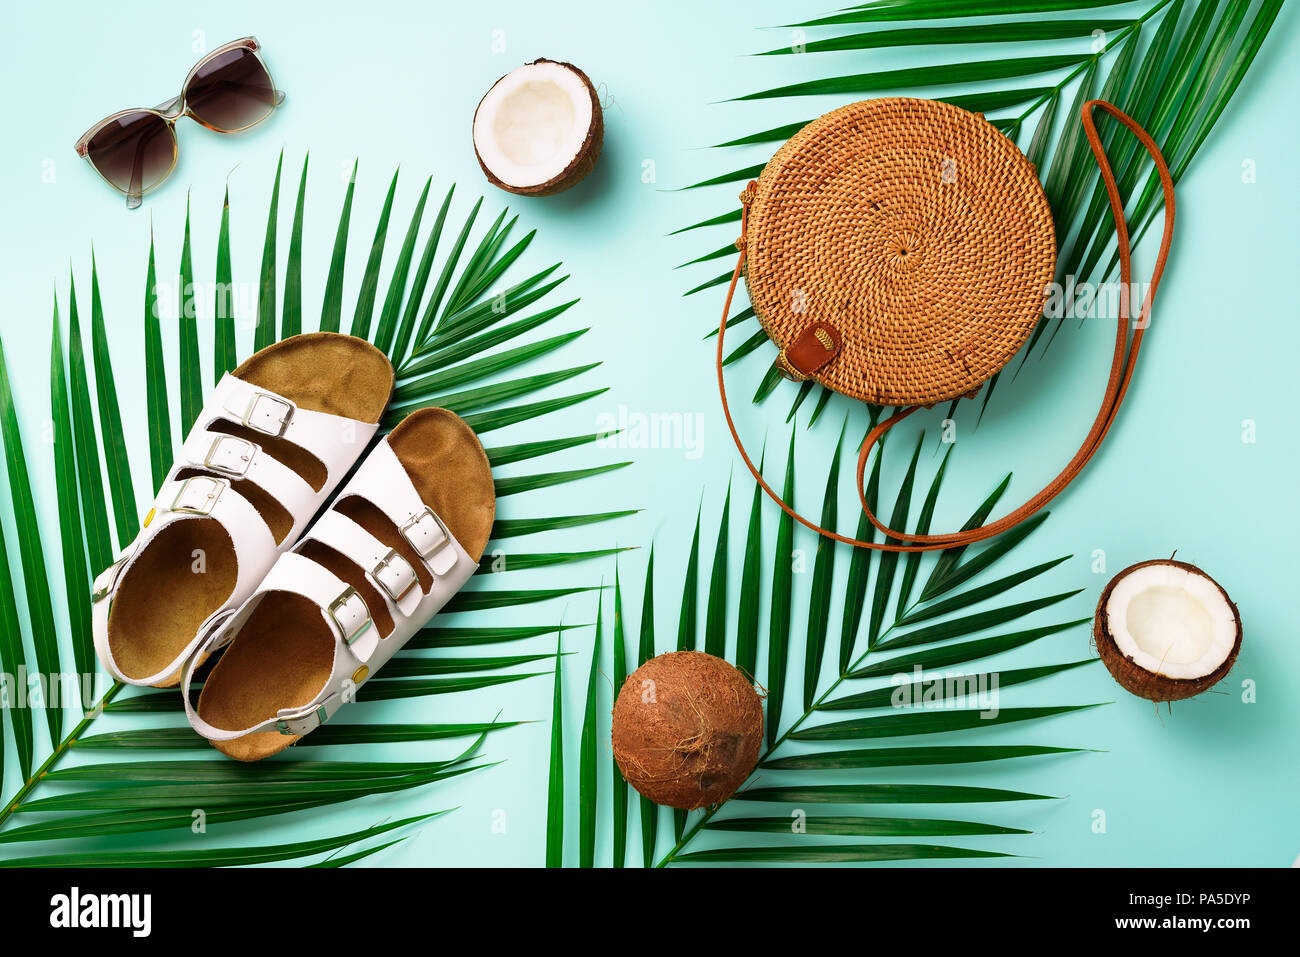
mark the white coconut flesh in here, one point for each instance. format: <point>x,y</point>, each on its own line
<point>1171,621</point>
<point>533,123</point>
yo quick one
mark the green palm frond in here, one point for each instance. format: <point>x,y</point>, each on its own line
<point>822,735</point>
<point>1173,67</point>
<point>454,340</point>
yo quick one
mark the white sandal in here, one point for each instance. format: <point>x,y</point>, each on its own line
<point>273,440</point>
<point>403,536</point>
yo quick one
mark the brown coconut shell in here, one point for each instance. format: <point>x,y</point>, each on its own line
<point>584,161</point>
<point>1139,681</point>
<point>687,729</point>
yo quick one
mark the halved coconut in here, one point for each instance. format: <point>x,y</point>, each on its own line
<point>1166,630</point>
<point>539,129</point>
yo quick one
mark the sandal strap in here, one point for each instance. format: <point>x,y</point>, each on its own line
<point>386,568</point>
<point>342,606</point>
<point>242,460</point>
<point>383,481</point>
<point>334,439</point>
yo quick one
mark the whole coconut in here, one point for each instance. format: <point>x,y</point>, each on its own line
<point>687,729</point>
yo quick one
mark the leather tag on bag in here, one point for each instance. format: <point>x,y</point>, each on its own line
<point>815,347</point>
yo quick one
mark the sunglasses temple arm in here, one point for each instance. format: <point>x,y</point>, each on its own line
<point>135,194</point>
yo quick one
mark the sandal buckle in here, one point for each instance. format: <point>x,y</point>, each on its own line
<point>231,455</point>
<point>104,583</point>
<point>283,727</point>
<point>268,413</point>
<point>391,572</point>
<point>198,495</point>
<point>425,533</point>
<point>350,614</point>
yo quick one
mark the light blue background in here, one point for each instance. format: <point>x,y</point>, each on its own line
<point>1214,783</point>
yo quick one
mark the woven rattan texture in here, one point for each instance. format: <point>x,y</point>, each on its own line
<point>918,230</point>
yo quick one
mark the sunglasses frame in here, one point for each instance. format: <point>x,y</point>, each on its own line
<point>176,108</point>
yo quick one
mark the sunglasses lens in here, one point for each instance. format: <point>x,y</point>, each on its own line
<point>134,152</point>
<point>231,91</point>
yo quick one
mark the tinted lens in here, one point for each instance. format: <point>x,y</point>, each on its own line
<point>134,152</point>
<point>231,91</point>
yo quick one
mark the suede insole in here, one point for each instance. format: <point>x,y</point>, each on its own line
<point>277,661</point>
<point>324,372</point>
<point>185,574</point>
<point>161,602</point>
<point>450,470</point>
<point>293,663</point>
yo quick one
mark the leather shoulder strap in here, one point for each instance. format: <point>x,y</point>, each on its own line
<point>1121,369</point>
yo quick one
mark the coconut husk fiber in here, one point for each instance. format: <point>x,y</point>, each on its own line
<point>687,729</point>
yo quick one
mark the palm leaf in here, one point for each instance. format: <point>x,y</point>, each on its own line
<point>387,330</point>
<point>715,610</point>
<point>690,590</point>
<point>619,786</point>
<point>110,420</point>
<point>87,446</point>
<point>906,757</point>
<point>224,348</point>
<point>191,371</point>
<point>224,857</point>
<point>810,749</point>
<point>747,613</point>
<point>291,321</point>
<point>332,303</point>
<point>555,786</point>
<point>832,854</point>
<point>649,810</point>
<point>588,777</point>
<point>40,611</point>
<point>938,75</point>
<point>819,602</point>
<point>160,435</point>
<point>778,626</point>
<point>264,331</point>
<point>142,800</point>
<point>76,577</point>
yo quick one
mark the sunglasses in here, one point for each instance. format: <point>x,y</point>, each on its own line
<point>229,90</point>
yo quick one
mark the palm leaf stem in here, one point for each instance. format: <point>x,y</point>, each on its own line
<point>63,748</point>
<point>1091,60</point>
<point>708,814</point>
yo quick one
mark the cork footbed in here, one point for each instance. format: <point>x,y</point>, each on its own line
<point>188,571</point>
<point>284,654</point>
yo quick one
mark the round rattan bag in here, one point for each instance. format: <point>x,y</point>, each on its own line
<point>898,251</point>
<point>913,229</point>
